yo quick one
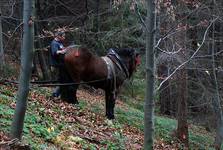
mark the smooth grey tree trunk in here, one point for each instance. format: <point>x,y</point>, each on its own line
<point>25,71</point>
<point>2,60</point>
<point>149,101</point>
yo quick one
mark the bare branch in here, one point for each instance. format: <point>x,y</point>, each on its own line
<point>204,38</point>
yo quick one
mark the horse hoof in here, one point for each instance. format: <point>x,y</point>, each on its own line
<point>109,122</point>
<point>73,102</point>
<point>76,103</point>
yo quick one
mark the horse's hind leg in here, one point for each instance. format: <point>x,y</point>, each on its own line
<point>110,104</point>
<point>68,92</point>
<point>74,94</point>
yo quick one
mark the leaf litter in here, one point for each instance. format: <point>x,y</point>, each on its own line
<point>82,126</point>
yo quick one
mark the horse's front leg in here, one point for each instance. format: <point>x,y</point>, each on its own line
<point>110,104</point>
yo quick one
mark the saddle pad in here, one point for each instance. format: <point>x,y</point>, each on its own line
<point>110,67</point>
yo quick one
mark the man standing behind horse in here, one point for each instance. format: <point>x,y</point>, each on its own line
<point>57,52</point>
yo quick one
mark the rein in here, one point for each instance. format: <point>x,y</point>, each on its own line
<point>50,83</point>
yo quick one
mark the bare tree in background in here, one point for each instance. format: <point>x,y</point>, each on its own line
<point>41,53</point>
<point>25,70</point>
<point>181,84</point>
<point>2,60</point>
<point>182,125</point>
<point>216,100</point>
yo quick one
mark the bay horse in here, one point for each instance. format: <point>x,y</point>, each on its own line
<point>107,73</point>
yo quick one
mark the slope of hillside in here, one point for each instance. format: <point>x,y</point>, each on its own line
<point>53,124</point>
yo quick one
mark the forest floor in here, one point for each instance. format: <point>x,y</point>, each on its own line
<point>53,124</point>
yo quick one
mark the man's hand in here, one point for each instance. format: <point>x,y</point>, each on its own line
<point>63,51</point>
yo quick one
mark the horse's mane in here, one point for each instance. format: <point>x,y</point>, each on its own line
<point>124,51</point>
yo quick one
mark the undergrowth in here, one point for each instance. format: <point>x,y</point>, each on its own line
<point>42,131</point>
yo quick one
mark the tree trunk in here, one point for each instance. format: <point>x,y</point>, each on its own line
<point>110,6</point>
<point>182,94</point>
<point>149,101</point>
<point>218,111</point>
<point>25,71</point>
<point>97,24</point>
<point>182,127</point>
<point>43,65</point>
<point>164,96</point>
<point>2,60</point>
<point>216,102</point>
<point>41,56</point>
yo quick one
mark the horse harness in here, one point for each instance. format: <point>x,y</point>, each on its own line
<point>112,60</point>
<point>111,72</point>
<point>118,61</point>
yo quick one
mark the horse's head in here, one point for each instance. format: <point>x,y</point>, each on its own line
<point>130,57</point>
